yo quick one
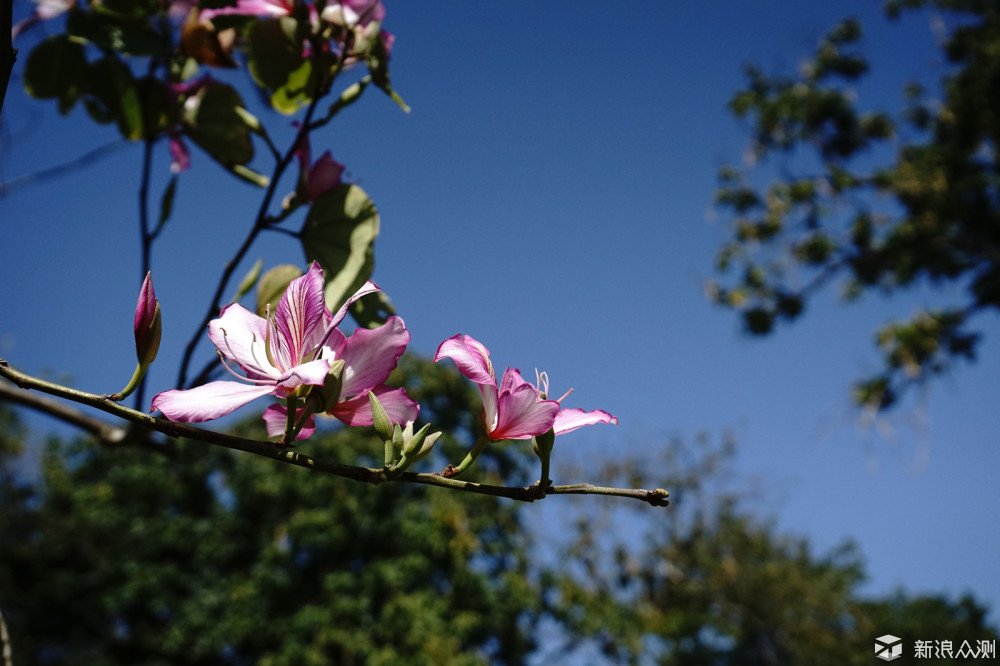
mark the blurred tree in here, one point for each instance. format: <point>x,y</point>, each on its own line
<point>205,556</point>
<point>882,202</point>
<point>713,584</point>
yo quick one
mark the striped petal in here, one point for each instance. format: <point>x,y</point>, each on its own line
<point>207,402</point>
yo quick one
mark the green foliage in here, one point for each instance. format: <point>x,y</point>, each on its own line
<point>215,125</point>
<point>56,68</point>
<point>800,231</point>
<point>712,584</point>
<point>339,232</point>
<point>199,555</point>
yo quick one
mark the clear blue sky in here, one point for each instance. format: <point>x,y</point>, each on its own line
<point>550,194</point>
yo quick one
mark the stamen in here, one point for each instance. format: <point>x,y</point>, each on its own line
<point>542,383</point>
<point>256,382</point>
<point>564,395</point>
<point>257,368</point>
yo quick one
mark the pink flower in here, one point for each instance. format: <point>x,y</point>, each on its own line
<point>354,13</point>
<point>320,176</point>
<point>290,352</point>
<point>146,323</point>
<point>569,419</point>
<point>44,10</point>
<point>271,8</point>
<point>516,409</point>
<point>513,410</point>
<point>180,156</point>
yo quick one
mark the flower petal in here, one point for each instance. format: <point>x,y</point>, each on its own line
<point>571,419</point>
<point>358,411</point>
<point>250,8</point>
<point>368,287</point>
<point>240,334</point>
<point>323,176</point>
<point>521,415</point>
<point>275,420</point>
<point>207,402</point>
<point>144,308</point>
<point>370,355</point>
<point>302,317</point>
<point>313,373</point>
<point>471,357</point>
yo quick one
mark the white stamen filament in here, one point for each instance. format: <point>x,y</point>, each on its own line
<point>256,382</point>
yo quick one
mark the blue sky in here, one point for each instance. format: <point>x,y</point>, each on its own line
<point>550,194</point>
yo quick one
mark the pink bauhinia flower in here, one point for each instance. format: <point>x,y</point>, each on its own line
<point>290,352</point>
<point>272,8</point>
<point>516,409</point>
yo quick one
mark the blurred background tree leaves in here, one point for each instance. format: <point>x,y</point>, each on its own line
<point>116,555</point>
<point>877,200</point>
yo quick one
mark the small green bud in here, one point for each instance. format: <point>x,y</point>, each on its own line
<point>383,426</point>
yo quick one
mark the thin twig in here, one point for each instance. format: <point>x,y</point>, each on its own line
<point>657,497</point>
<point>230,267</point>
<point>261,222</point>
<point>107,433</point>
<point>86,159</point>
<point>8,54</point>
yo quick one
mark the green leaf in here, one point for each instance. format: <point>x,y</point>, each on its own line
<point>166,204</point>
<point>295,94</point>
<point>214,124</point>
<point>125,34</point>
<point>274,47</point>
<point>273,284</point>
<point>372,310</point>
<point>249,175</point>
<point>339,233</point>
<point>136,8</point>
<point>273,50</point>
<point>114,96</point>
<point>57,68</point>
<point>378,66</point>
<point>248,281</point>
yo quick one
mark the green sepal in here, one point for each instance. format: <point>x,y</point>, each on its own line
<point>326,397</point>
<point>542,444</point>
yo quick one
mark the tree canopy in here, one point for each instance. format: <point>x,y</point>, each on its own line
<point>879,200</point>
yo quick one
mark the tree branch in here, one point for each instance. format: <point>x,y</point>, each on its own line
<point>8,55</point>
<point>656,497</point>
<point>107,433</point>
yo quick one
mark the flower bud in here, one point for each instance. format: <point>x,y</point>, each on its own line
<point>383,425</point>
<point>147,328</point>
<point>419,445</point>
<point>146,323</point>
